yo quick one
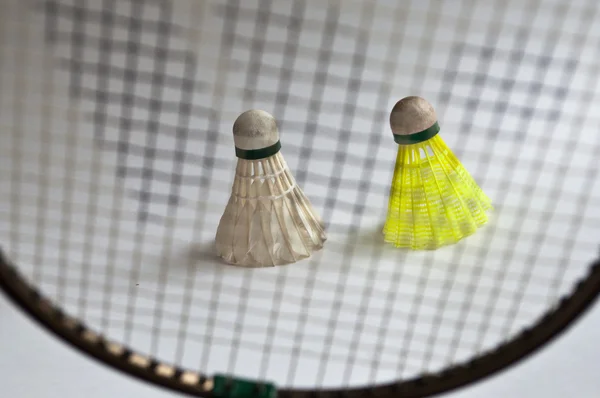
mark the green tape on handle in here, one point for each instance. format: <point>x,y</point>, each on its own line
<point>255,154</point>
<point>418,137</point>
<point>232,387</point>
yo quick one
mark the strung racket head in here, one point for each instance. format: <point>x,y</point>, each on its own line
<point>118,158</point>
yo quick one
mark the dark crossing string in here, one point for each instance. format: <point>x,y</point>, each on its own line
<point>500,113</point>
<point>487,324</point>
<point>45,155</point>
<point>152,126</point>
<point>294,27</point>
<point>184,115</point>
<point>567,74</point>
<point>186,301</point>
<point>134,35</point>
<point>448,80</point>
<point>543,63</point>
<point>78,45</point>
<point>253,72</point>
<point>136,51</point>
<point>483,253</point>
<point>132,77</point>
<point>245,284</point>
<point>183,334</point>
<point>484,60</point>
<point>320,81</point>
<point>18,83</point>
<point>100,121</point>
<point>344,135</point>
<point>591,175</point>
<point>66,223</point>
<point>397,277</point>
<point>424,53</point>
<point>228,38</point>
<point>316,102</point>
<point>384,94</point>
<point>157,89</point>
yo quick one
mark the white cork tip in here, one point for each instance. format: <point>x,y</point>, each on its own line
<point>255,129</point>
<point>412,115</point>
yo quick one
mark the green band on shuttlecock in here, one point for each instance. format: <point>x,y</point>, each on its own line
<point>255,154</point>
<point>418,137</point>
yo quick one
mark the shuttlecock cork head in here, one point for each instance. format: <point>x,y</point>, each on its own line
<point>255,135</point>
<point>413,120</point>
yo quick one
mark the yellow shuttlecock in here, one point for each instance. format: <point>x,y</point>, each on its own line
<point>433,201</point>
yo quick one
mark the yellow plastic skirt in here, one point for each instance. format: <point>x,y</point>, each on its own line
<point>433,200</point>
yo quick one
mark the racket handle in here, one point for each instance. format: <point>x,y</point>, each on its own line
<point>233,387</point>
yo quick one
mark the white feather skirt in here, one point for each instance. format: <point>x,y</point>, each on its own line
<point>268,220</point>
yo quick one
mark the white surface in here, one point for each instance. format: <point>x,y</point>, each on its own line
<point>68,208</point>
<point>34,364</point>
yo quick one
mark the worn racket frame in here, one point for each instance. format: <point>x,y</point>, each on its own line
<point>193,383</point>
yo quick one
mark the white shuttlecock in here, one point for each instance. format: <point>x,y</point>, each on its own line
<point>268,220</point>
